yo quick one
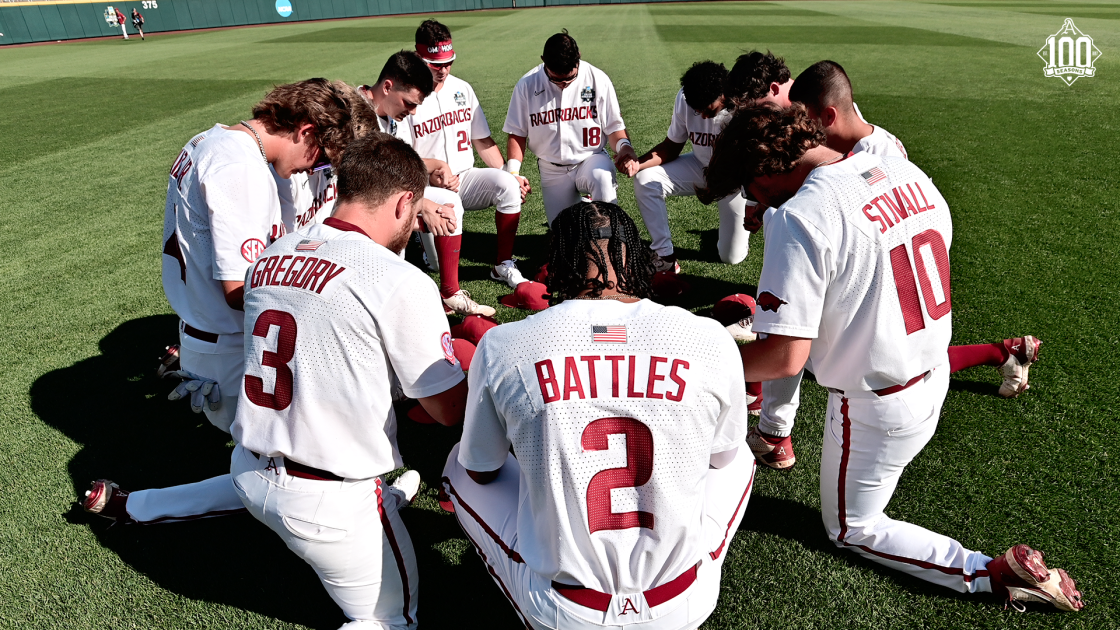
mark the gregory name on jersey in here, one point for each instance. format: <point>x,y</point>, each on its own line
<point>564,114</point>
<point>310,273</point>
<point>892,211</point>
<point>579,377</point>
<point>439,122</point>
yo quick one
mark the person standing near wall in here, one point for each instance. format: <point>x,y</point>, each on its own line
<point>138,23</point>
<point>120,20</point>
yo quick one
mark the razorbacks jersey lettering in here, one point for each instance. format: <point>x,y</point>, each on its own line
<point>688,125</point>
<point>586,387</point>
<point>447,122</point>
<point>222,211</point>
<point>564,126</point>
<point>867,277</point>
<point>306,198</point>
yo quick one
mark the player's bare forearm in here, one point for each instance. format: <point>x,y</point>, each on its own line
<point>235,294</point>
<point>439,219</point>
<point>663,153</point>
<point>483,477</point>
<point>774,357</point>
<point>489,152</point>
<point>515,148</point>
<point>625,159</point>
<point>448,406</point>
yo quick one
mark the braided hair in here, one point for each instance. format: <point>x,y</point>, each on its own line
<point>602,234</point>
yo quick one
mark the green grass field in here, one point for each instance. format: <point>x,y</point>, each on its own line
<point>87,134</point>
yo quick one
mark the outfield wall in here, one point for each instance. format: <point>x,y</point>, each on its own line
<point>26,22</point>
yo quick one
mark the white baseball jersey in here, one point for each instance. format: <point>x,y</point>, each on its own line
<point>445,124</point>
<point>614,411</point>
<point>881,143</point>
<point>858,261</point>
<point>331,319</point>
<point>306,198</point>
<point>688,125</point>
<point>222,211</point>
<point>564,126</point>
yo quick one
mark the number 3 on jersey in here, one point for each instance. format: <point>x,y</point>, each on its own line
<point>281,395</point>
<point>930,254</point>
<point>638,470</point>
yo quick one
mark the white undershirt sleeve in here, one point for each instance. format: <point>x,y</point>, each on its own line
<point>797,265</point>
<point>517,117</point>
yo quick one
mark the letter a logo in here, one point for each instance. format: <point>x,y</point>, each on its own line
<point>628,606</point>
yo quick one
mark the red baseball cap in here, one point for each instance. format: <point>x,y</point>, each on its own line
<point>528,295</point>
<point>733,308</point>
<point>464,351</point>
<point>542,275</point>
<point>440,52</point>
<point>668,285</point>
<point>473,328</point>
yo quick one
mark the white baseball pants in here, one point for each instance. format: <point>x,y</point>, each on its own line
<point>224,362</point>
<point>868,441</point>
<point>780,400</point>
<point>488,516</point>
<point>681,178</point>
<point>188,502</point>
<point>481,188</point>
<point>350,532</point>
<point>561,185</point>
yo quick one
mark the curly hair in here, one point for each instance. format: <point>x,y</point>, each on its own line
<point>324,104</point>
<point>758,141</point>
<point>703,84</point>
<point>751,76</point>
<point>576,245</point>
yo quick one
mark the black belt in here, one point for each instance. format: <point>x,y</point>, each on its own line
<point>303,471</point>
<point>199,334</point>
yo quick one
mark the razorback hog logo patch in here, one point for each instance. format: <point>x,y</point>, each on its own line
<point>767,301</point>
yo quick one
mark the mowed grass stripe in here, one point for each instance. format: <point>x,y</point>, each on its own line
<point>822,35</point>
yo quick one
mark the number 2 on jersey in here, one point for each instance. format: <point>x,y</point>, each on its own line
<point>281,395</point>
<point>638,470</point>
<point>592,136</point>
<point>933,243</point>
<point>464,141</point>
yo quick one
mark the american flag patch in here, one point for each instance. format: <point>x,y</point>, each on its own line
<point>874,176</point>
<point>307,245</point>
<point>197,139</point>
<point>611,334</point>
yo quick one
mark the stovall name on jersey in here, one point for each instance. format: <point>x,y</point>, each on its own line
<point>439,122</point>
<point>894,206</point>
<point>309,273</point>
<point>564,114</point>
<point>701,139</point>
<point>578,377</point>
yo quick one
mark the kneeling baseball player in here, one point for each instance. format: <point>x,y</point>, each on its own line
<point>628,421</point>
<point>315,424</point>
<point>868,301</point>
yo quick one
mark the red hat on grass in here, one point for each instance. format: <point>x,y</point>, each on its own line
<point>542,275</point>
<point>528,295</point>
<point>668,285</point>
<point>473,328</point>
<point>736,313</point>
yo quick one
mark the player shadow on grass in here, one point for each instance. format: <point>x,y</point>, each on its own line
<point>114,406</point>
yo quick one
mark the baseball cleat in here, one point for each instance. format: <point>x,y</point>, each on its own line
<point>508,273</point>
<point>169,362</point>
<point>770,450</point>
<point>105,498</point>
<point>409,484</point>
<point>1022,352</point>
<point>460,303</point>
<point>666,263</point>
<point>1020,576</point>
<point>742,330</point>
<point>754,404</point>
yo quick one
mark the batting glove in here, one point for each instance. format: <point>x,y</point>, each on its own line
<point>202,390</point>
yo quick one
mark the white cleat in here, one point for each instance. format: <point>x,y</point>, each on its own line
<point>742,330</point>
<point>508,273</point>
<point>461,304</point>
<point>1022,353</point>
<point>409,484</point>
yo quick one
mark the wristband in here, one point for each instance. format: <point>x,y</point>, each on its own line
<point>513,167</point>
<point>621,143</point>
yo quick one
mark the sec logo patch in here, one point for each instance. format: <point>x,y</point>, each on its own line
<point>448,348</point>
<point>251,249</point>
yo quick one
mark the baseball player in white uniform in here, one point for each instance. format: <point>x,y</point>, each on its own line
<point>698,117</point>
<point>222,211</point>
<point>566,111</point>
<point>404,83</point>
<point>627,419</point>
<point>446,126</point>
<point>334,318</point>
<point>856,278</point>
<point>826,92</point>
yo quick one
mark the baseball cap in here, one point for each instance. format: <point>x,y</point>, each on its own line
<point>542,275</point>
<point>440,52</point>
<point>736,313</point>
<point>464,351</point>
<point>529,295</point>
<point>668,285</point>
<point>473,328</point>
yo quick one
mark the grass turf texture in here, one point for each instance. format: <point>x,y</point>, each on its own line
<point>90,129</point>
